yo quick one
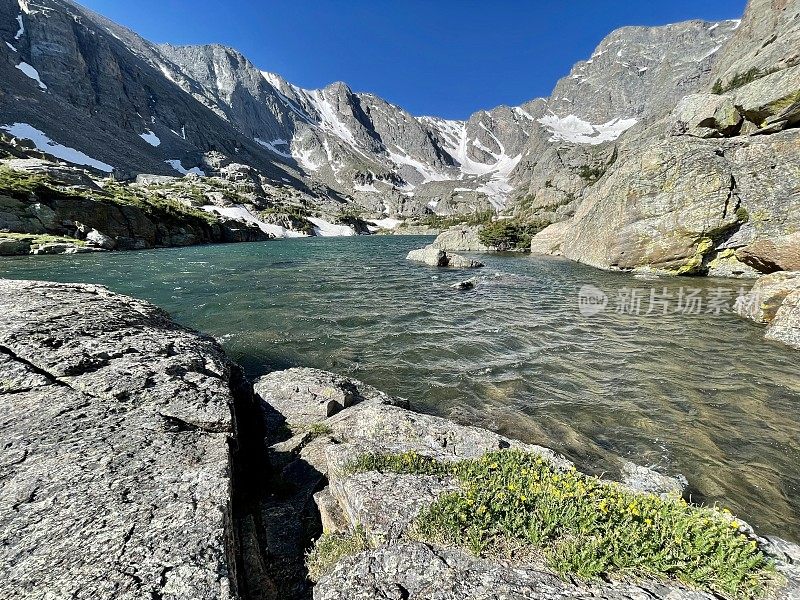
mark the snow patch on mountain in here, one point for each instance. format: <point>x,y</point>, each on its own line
<point>242,213</point>
<point>576,130</point>
<point>323,228</point>
<point>31,72</point>
<point>21,27</point>
<point>151,138</point>
<point>10,47</point>
<point>427,172</point>
<point>387,223</point>
<point>271,146</point>
<point>178,166</point>
<point>45,144</point>
<point>305,156</point>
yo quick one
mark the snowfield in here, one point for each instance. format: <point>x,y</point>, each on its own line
<point>178,166</point>
<point>576,130</point>
<point>242,213</point>
<point>45,144</point>
<point>31,72</point>
<point>151,138</point>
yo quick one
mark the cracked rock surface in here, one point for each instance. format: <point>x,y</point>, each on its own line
<point>114,462</point>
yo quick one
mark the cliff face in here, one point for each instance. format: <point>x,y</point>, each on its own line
<point>713,186</point>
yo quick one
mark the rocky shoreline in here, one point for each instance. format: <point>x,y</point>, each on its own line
<point>137,461</point>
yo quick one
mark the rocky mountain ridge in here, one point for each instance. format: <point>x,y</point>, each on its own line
<point>166,108</point>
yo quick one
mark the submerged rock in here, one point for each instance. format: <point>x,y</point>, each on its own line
<point>467,284</point>
<point>774,301</point>
<point>645,479</point>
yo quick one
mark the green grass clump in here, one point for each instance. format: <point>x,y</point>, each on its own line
<point>20,184</point>
<point>514,503</point>
<point>153,204</point>
<point>37,239</point>
<point>331,547</point>
<point>316,430</point>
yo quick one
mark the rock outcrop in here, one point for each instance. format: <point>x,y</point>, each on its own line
<point>705,116</point>
<point>43,210</point>
<point>710,184</point>
<point>119,431</point>
<point>549,239</point>
<point>779,253</point>
<point>435,257</point>
<point>384,505</point>
<point>460,239</point>
<point>774,301</point>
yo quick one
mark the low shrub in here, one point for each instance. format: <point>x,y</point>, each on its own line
<point>512,502</point>
<point>506,235</point>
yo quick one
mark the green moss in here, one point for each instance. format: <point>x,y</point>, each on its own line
<point>319,429</point>
<point>512,502</point>
<point>38,239</point>
<point>782,104</point>
<point>695,264</point>
<point>330,548</point>
<point>742,215</point>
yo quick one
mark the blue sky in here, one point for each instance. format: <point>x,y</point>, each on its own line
<point>432,57</point>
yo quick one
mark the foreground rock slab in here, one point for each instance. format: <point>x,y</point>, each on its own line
<point>115,474</point>
<point>418,571</point>
<point>384,506</point>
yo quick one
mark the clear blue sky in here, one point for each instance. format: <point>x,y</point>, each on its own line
<point>432,57</point>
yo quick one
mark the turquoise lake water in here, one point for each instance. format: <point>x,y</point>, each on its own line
<point>700,394</point>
